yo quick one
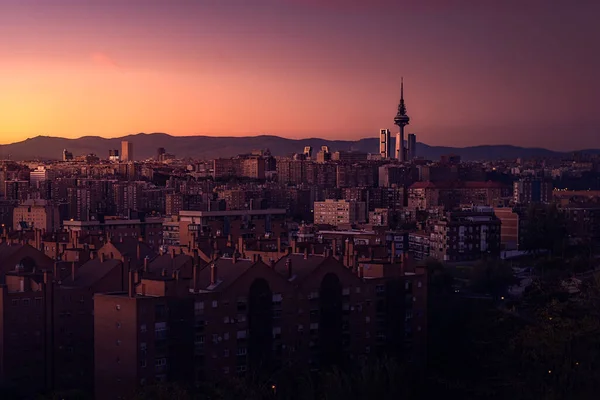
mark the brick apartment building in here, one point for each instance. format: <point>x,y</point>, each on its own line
<point>235,314</point>
<point>465,236</point>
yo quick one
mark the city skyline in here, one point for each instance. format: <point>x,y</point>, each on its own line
<point>474,74</point>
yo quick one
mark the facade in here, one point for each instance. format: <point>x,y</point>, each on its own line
<point>126,151</point>
<point>466,236</point>
<point>339,212</point>
<point>36,214</point>
<point>527,191</point>
<point>237,223</point>
<point>412,146</point>
<point>419,245</point>
<point>510,227</point>
<point>237,315</point>
<point>385,144</point>
<point>39,175</point>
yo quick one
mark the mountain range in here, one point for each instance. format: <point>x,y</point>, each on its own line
<point>210,147</point>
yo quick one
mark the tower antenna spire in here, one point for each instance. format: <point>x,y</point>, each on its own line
<point>401,120</point>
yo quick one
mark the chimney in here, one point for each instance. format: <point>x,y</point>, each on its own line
<point>229,241</point>
<point>163,273</point>
<point>306,253</point>
<point>175,274</point>
<point>73,270</point>
<point>146,265</point>
<point>272,264</point>
<point>161,251</point>
<point>288,266</point>
<point>278,245</point>
<point>241,244</point>
<point>172,253</point>
<point>55,268</point>
<point>334,247</point>
<point>92,255</point>
<point>121,239</point>
<point>361,272</point>
<point>234,257</point>
<point>139,251</point>
<point>213,274</point>
<point>196,276</point>
<point>102,257</point>
<point>392,252</point>
<point>131,283</point>
<point>355,262</point>
<point>371,255</point>
<point>312,249</point>
<point>294,246</point>
<point>112,255</point>
<point>196,257</point>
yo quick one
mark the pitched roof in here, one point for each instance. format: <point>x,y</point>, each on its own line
<point>227,273</point>
<point>92,272</point>
<point>168,263</point>
<point>301,267</point>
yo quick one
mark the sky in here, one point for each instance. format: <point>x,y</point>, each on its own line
<point>522,72</point>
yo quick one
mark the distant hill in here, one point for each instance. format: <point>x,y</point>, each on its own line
<point>209,147</point>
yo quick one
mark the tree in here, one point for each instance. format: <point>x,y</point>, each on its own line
<point>493,277</point>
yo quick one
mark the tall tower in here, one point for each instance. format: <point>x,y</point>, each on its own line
<point>401,120</point>
<point>385,144</point>
<point>412,146</point>
<point>126,151</point>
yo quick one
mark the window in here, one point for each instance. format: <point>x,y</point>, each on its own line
<point>242,351</point>
<point>143,328</point>
<point>143,363</point>
<point>346,291</point>
<point>277,298</point>
<point>215,304</point>
<point>38,301</point>
<point>419,284</point>
<point>226,336</point>
<point>226,353</point>
<point>241,368</point>
<point>118,307</point>
<point>160,330</point>
<point>118,342</point>
<point>358,290</point>
<point>26,302</point>
<point>225,370</point>
<point>241,334</point>
<point>199,307</point>
<point>160,362</point>
<point>300,328</point>
<point>367,319</point>
<point>14,302</point>
<point>225,320</point>
<point>215,338</point>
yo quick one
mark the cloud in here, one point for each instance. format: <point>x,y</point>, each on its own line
<point>103,59</point>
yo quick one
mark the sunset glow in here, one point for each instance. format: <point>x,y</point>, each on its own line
<point>473,75</point>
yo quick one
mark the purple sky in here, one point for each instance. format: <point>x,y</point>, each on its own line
<point>476,71</point>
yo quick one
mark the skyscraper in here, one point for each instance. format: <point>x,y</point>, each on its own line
<point>385,144</point>
<point>160,152</point>
<point>126,151</point>
<point>401,120</point>
<point>412,146</point>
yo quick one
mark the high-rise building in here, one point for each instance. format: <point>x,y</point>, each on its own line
<point>532,190</point>
<point>412,146</point>
<point>40,174</point>
<point>337,212</point>
<point>36,214</point>
<point>67,155</point>
<point>385,144</point>
<point>113,155</point>
<point>401,120</point>
<point>308,151</point>
<point>126,151</point>
<point>160,153</point>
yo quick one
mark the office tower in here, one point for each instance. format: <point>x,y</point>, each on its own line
<point>412,146</point>
<point>401,120</point>
<point>385,144</point>
<point>160,152</point>
<point>126,151</point>
<point>67,155</point>
<point>113,155</point>
<point>40,174</point>
<point>308,151</point>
